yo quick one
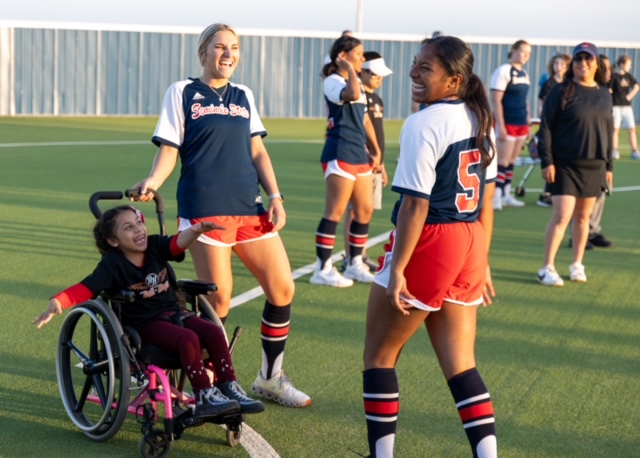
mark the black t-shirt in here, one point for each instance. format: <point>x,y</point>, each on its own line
<point>583,130</point>
<point>620,86</point>
<point>153,284</point>
<point>546,87</point>
<point>375,109</point>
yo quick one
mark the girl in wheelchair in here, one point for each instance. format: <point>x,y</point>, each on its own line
<point>134,261</point>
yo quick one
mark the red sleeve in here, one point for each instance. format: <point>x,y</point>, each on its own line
<point>174,248</point>
<point>74,295</point>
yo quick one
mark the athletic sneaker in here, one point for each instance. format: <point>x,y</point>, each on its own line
<point>549,277</point>
<point>510,201</point>
<point>615,154</point>
<point>280,389</point>
<point>599,240</point>
<point>576,273</point>
<point>544,201</point>
<point>371,264</point>
<point>233,390</point>
<point>635,155</point>
<point>329,276</point>
<point>497,200</point>
<point>211,402</point>
<point>358,271</point>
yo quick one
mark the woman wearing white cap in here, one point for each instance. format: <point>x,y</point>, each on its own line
<point>373,71</point>
<point>575,145</point>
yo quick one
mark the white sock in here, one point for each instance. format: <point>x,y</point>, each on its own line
<point>487,447</point>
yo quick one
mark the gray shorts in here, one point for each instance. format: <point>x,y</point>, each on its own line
<point>623,117</point>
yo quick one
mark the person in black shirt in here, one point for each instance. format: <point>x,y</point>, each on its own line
<point>557,68</point>
<point>624,88</point>
<point>575,155</point>
<point>134,261</point>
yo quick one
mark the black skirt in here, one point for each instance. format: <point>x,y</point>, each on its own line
<point>583,178</point>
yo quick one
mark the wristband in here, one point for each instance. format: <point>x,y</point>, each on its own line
<point>276,195</point>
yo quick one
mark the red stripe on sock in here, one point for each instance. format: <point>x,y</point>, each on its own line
<point>477,411</point>
<point>385,408</point>
<point>274,332</point>
<point>328,241</point>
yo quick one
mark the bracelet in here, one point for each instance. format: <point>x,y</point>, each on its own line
<point>276,195</point>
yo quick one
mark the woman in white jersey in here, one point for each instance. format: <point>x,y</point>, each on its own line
<point>435,269</point>
<point>213,127</point>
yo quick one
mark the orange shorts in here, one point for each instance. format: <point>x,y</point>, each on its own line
<point>449,264</point>
<point>237,229</point>
<point>346,170</point>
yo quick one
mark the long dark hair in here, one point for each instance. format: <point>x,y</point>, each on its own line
<point>343,44</point>
<point>104,228</point>
<point>456,58</point>
<point>569,86</point>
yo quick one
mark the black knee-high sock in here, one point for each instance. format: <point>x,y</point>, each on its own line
<point>509,176</point>
<point>501,179</point>
<point>358,234</point>
<point>381,407</point>
<point>476,412</point>
<point>275,329</point>
<point>325,239</point>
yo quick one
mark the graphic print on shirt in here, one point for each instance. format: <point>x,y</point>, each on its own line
<point>153,284</point>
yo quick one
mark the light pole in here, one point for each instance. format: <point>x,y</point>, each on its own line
<point>359,17</point>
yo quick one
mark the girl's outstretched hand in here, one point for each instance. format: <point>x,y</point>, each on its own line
<point>206,226</point>
<point>55,308</point>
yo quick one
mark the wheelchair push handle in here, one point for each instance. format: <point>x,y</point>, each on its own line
<point>117,195</point>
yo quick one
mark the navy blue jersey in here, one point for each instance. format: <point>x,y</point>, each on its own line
<point>439,161</point>
<point>152,283</point>
<point>515,85</point>
<point>346,137</point>
<point>218,177</point>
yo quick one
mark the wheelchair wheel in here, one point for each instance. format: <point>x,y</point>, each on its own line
<point>93,370</point>
<point>154,444</point>
<point>208,313</point>
<point>234,433</point>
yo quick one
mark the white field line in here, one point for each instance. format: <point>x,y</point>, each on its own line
<point>132,142</point>
<point>301,272</point>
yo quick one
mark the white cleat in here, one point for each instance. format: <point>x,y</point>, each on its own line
<point>549,277</point>
<point>328,275</point>
<point>576,273</point>
<point>357,270</point>
<point>510,201</point>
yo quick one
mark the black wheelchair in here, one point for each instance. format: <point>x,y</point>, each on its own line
<point>101,365</point>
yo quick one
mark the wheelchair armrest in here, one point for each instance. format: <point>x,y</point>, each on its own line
<point>195,287</point>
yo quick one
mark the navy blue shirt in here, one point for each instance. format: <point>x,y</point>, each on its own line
<point>346,137</point>
<point>218,177</point>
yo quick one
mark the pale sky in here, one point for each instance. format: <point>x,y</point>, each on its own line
<point>577,20</point>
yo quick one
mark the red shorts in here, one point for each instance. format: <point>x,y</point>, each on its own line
<point>346,170</point>
<point>514,132</point>
<point>237,229</point>
<point>449,264</point>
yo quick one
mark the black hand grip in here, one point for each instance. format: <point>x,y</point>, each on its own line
<point>102,195</point>
<point>157,198</point>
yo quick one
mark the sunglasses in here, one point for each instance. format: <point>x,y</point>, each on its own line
<point>369,72</point>
<point>584,56</point>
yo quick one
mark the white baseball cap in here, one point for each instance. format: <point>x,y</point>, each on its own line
<point>377,67</point>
